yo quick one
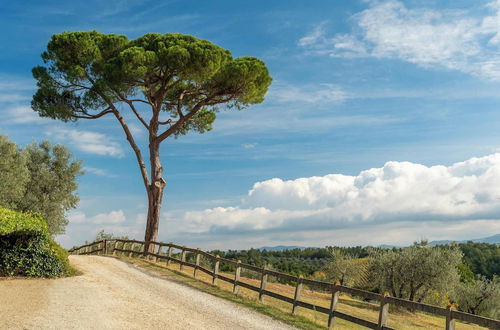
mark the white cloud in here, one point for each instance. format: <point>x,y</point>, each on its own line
<point>90,142</point>
<point>113,217</point>
<point>315,37</point>
<point>98,171</point>
<point>21,114</point>
<point>314,94</point>
<point>249,145</point>
<point>448,39</point>
<point>398,192</point>
<point>16,83</point>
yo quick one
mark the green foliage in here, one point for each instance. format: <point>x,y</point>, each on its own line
<point>415,272</point>
<point>347,269</point>
<point>26,249</point>
<point>13,173</point>
<point>297,262</point>
<point>45,181</point>
<point>102,235</point>
<point>16,223</point>
<point>482,258</point>
<point>179,74</point>
<point>481,297</point>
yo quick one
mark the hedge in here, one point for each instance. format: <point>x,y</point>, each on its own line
<point>26,248</point>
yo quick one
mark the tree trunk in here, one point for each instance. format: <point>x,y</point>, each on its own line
<point>155,196</point>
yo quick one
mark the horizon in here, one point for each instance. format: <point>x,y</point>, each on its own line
<point>366,136</point>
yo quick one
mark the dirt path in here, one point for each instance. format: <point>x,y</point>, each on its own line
<point>112,294</point>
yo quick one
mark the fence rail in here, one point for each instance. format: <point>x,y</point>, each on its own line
<point>127,246</point>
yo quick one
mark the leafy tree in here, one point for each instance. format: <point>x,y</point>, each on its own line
<point>177,80</point>
<point>482,258</point>
<point>39,178</point>
<point>13,173</point>
<point>414,272</point>
<point>102,235</point>
<point>481,297</point>
<point>347,269</point>
<point>53,181</point>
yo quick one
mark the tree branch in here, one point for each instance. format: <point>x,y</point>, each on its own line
<point>172,129</point>
<point>131,105</point>
<point>100,114</point>
<point>185,118</point>
<point>134,146</point>
<point>130,137</point>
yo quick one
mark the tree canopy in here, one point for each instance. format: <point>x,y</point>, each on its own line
<point>39,178</point>
<point>185,77</point>
<point>415,272</point>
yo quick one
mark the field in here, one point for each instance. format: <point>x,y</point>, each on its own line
<point>305,319</point>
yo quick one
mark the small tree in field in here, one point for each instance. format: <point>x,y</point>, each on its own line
<point>480,296</point>
<point>415,272</point>
<point>172,83</point>
<point>346,269</point>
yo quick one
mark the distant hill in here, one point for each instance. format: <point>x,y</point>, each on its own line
<point>281,248</point>
<point>495,239</point>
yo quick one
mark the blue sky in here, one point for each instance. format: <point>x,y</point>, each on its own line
<point>381,125</point>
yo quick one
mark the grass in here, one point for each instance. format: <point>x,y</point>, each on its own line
<point>280,310</point>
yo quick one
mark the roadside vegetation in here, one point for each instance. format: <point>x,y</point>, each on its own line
<point>37,187</point>
<point>26,248</point>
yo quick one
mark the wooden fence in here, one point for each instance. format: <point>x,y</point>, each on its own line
<point>134,247</point>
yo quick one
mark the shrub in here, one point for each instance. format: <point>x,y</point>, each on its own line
<point>26,248</point>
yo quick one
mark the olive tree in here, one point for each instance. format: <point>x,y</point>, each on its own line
<point>172,83</point>
<point>414,272</point>
<point>39,178</point>
<point>13,173</point>
<point>480,296</point>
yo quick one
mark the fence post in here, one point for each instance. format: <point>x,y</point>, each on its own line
<point>131,248</point>
<point>263,284</point>
<point>237,277</point>
<point>105,246</point>
<point>383,311</point>
<point>158,250</point>
<point>216,270</point>
<point>450,321</point>
<point>296,297</point>
<point>145,249</point>
<point>114,247</point>
<point>197,263</point>
<point>169,254</point>
<point>333,305</point>
<point>183,259</point>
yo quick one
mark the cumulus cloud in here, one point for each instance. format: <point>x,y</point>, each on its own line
<point>396,192</point>
<point>451,39</point>
<point>86,141</point>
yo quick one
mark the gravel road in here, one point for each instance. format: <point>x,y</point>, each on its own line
<point>112,294</point>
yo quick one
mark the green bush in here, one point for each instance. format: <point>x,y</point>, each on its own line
<point>26,248</point>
